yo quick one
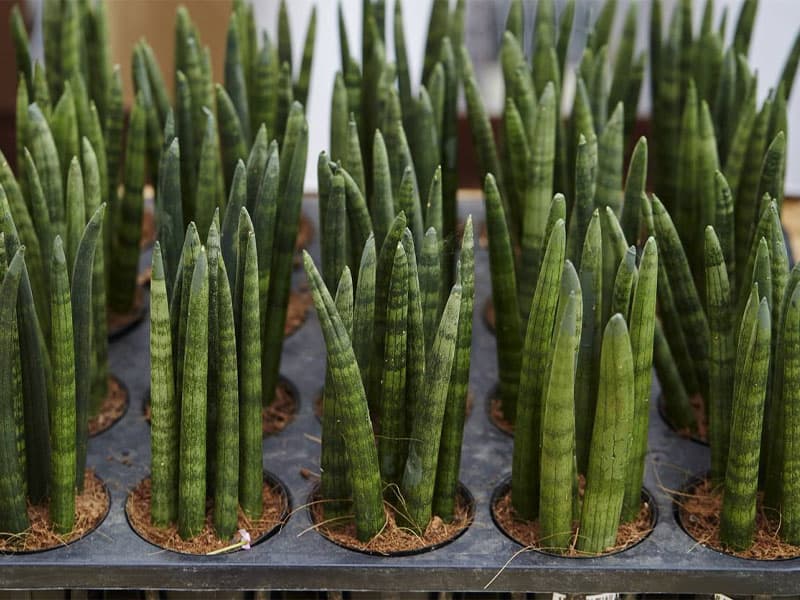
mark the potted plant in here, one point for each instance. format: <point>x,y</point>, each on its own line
<point>746,503</point>
<point>206,404</point>
<point>60,183</point>
<point>707,120</point>
<point>597,361</point>
<point>49,497</point>
<point>378,131</point>
<point>378,347</point>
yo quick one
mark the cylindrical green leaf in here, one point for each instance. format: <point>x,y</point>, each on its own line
<point>192,465</point>
<point>611,441</point>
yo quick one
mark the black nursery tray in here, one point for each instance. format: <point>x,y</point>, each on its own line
<point>298,558</point>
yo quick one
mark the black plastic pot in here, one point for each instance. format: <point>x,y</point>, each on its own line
<point>688,488</point>
<point>667,561</point>
<point>270,479</point>
<point>76,540</point>
<point>124,389</point>
<point>461,490</point>
<point>137,315</point>
<point>505,485</point>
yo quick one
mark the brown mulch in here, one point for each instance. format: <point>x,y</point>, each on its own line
<point>112,409</point>
<point>119,322</point>
<point>317,407</point>
<point>790,217</point>
<point>393,538</point>
<point>148,224</point>
<point>91,508</point>
<point>527,532</point>
<point>305,233</point>
<point>281,411</point>
<point>300,302</point>
<point>137,509</point>
<point>497,417</point>
<point>697,406</point>
<point>488,315</point>
<point>700,509</point>
<point>483,236</point>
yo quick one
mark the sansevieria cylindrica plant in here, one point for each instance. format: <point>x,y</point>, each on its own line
<point>692,67</point>
<point>46,382</point>
<point>389,141</point>
<point>78,94</point>
<point>216,160</point>
<point>205,387</point>
<point>752,335</point>
<point>584,374</point>
<point>63,167</point>
<point>716,155</point>
<point>381,357</point>
<point>580,159</point>
<point>259,90</point>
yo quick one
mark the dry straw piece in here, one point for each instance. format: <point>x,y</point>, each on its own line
<point>699,509</point>
<point>137,509</point>
<point>91,507</point>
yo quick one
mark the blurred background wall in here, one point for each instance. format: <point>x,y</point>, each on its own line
<point>776,26</point>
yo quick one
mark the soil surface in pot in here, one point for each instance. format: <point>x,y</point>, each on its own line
<point>112,409</point>
<point>281,411</point>
<point>305,233</point>
<point>148,219</point>
<point>137,508</point>
<point>394,539</point>
<point>496,415</point>
<point>300,302</point>
<point>527,532</point>
<point>119,323</point>
<point>488,316</point>
<point>697,434</point>
<point>91,507</point>
<point>698,510</point>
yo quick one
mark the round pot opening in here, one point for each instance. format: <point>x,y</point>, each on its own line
<point>277,509</point>
<point>91,509</point>
<point>279,414</point>
<point>297,307</point>
<point>488,316</point>
<point>698,435</point>
<point>120,324</point>
<point>697,508</point>
<point>395,540</point>
<point>494,410</point>
<point>525,533</point>
<point>113,407</point>
<point>305,234</point>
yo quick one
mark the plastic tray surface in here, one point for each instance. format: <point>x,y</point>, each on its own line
<point>297,558</point>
